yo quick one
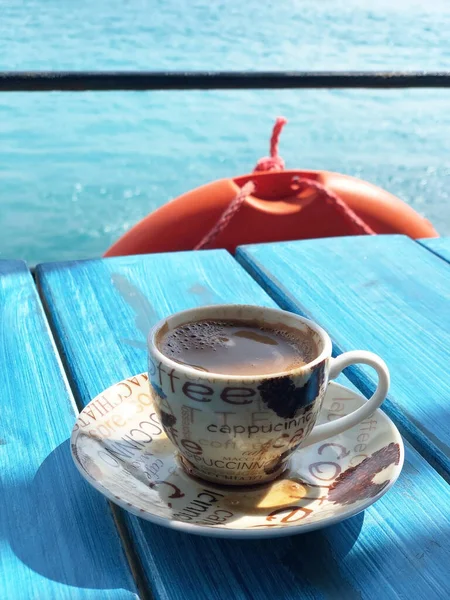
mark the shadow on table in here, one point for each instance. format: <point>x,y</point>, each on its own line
<point>62,529</point>
<point>288,567</point>
<point>65,534</point>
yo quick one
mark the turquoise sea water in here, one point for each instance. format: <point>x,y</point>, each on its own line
<point>77,170</point>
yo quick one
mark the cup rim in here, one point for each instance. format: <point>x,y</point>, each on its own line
<point>188,370</point>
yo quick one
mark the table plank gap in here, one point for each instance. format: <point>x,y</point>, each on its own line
<point>135,563</point>
<point>439,246</point>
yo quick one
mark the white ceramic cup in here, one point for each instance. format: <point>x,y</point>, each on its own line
<point>240,430</point>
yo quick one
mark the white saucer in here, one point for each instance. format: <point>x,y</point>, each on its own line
<point>119,447</point>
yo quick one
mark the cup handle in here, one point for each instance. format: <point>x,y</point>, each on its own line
<point>327,430</point>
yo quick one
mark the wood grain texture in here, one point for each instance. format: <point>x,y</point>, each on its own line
<point>440,246</point>
<point>387,294</point>
<point>57,536</point>
<point>101,312</point>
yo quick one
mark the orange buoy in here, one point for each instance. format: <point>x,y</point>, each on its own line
<point>274,205</point>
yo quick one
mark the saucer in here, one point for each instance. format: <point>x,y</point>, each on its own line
<point>119,447</point>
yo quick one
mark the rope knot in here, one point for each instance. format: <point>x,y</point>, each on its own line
<point>274,162</point>
<point>269,163</point>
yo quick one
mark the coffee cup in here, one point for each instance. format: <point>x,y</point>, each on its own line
<point>241,429</point>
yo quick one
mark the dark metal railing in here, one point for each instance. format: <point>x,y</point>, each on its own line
<point>107,81</point>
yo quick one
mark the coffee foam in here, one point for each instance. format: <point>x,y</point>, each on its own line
<point>211,335</point>
<point>200,335</point>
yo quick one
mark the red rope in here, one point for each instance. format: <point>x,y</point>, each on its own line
<point>274,162</point>
<point>227,215</point>
<point>340,206</point>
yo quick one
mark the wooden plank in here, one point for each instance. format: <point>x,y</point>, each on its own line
<point>440,246</point>
<point>57,536</point>
<point>100,312</point>
<point>382,293</point>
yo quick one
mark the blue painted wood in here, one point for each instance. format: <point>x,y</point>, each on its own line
<point>440,246</point>
<point>57,536</point>
<point>387,294</point>
<point>100,312</point>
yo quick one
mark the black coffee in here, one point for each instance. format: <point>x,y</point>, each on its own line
<point>238,347</point>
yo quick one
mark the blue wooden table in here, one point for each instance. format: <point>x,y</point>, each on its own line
<point>81,326</point>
